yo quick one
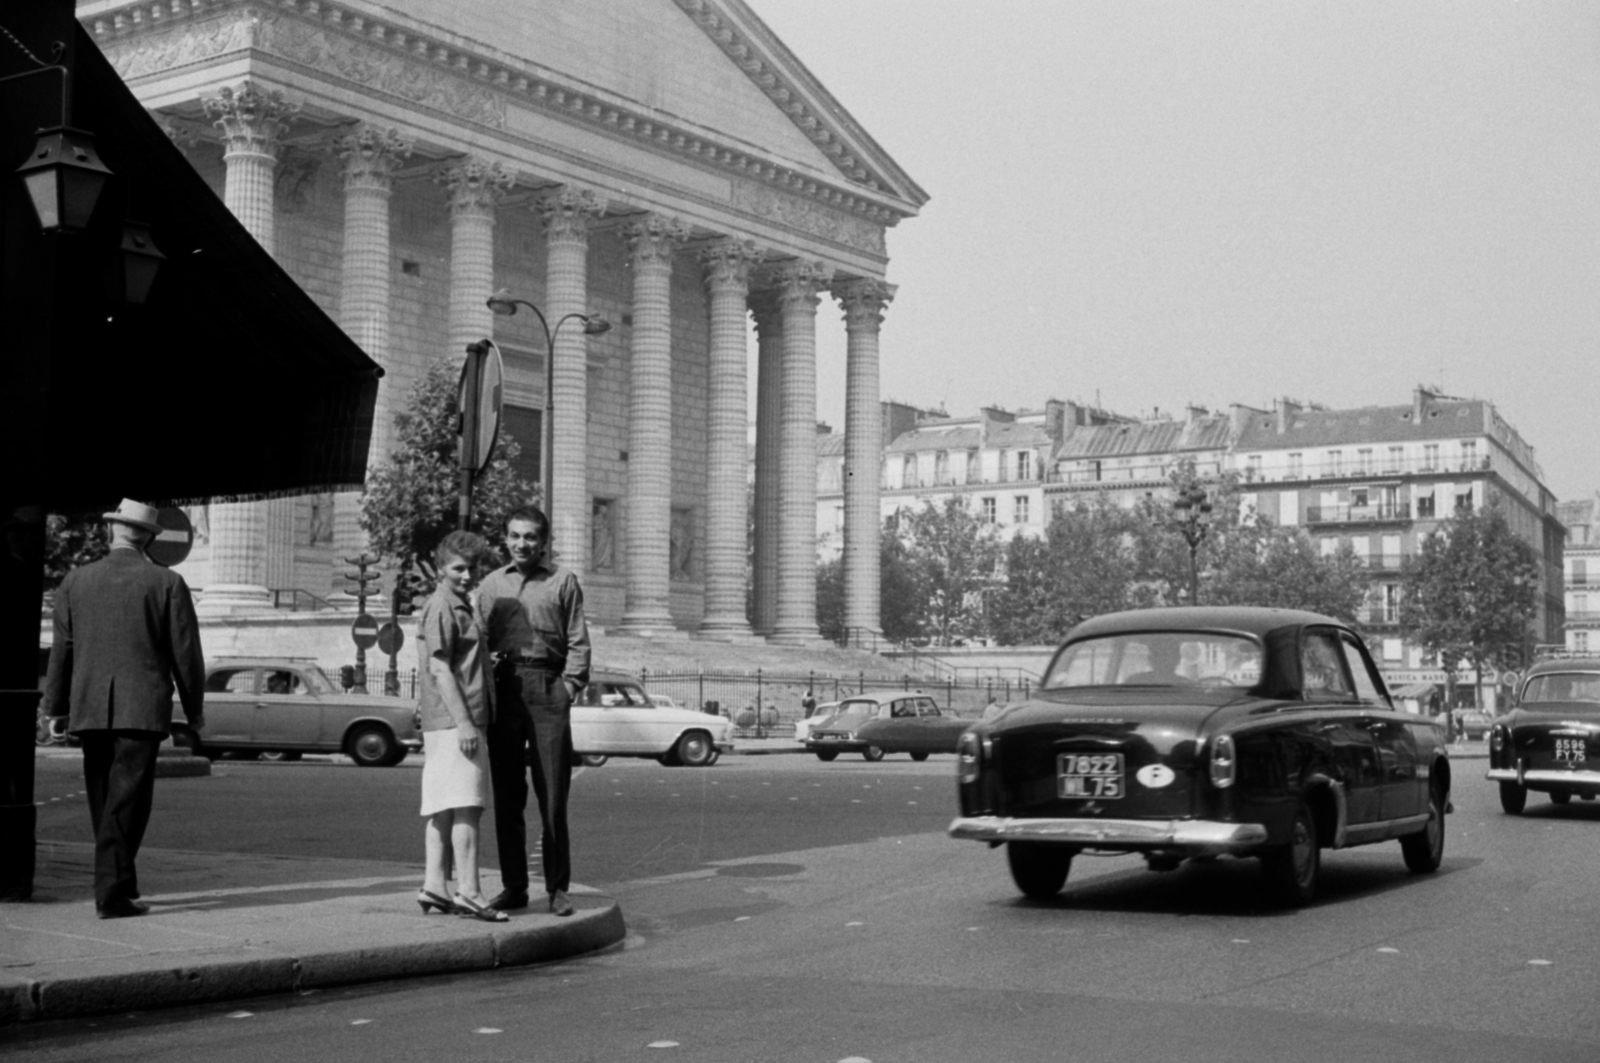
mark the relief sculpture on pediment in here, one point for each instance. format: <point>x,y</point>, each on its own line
<point>135,57</point>
<point>808,216</point>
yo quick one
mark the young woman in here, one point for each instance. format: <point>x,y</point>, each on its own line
<point>455,709</point>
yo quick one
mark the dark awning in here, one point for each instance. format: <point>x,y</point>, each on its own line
<point>230,383</point>
<point>1413,690</point>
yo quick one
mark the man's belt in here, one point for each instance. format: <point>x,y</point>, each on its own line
<point>524,660</point>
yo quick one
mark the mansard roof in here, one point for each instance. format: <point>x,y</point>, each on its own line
<point>1146,437</point>
<point>1441,419</point>
<point>970,433</point>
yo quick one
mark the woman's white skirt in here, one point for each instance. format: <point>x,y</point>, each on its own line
<point>450,780</point>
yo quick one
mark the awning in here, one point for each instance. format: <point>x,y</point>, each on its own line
<point>230,383</point>
<point>1414,690</point>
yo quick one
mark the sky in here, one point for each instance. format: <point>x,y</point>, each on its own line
<point>1148,205</point>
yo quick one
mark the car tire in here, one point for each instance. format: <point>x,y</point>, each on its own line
<point>1038,869</point>
<point>826,755</point>
<point>1513,798</point>
<point>695,750</point>
<point>1561,797</point>
<point>919,756</point>
<point>1424,850</point>
<point>593,760</point>
<point>872,754</point>
<point>372,746</point>
<point>1292,870</point>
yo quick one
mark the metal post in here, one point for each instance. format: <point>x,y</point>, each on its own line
<point>469,431</point>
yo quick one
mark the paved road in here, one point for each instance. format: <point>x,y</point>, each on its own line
<point>782,909</point>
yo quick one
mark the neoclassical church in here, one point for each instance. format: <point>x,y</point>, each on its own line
<point>667,165</point>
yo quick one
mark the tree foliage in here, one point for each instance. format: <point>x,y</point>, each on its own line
<point>902,591</point>
<point>1083,566</point>
<point>70,542</point>
<point>411,500</point>
<point>943,563</point>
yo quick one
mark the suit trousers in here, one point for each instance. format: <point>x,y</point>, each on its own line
<point>119,773</point>
<point>531,732</point>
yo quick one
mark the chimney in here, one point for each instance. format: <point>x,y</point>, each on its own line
<point>1194,414</point>
<point>1287,408</point>
<point>1419,402</point>
<point>1055,420</point>
<point>1241,415</point>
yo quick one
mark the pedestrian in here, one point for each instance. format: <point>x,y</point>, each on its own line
<point>808,705</point>
<point>125,634</point>
<point>456,709</point>
<point>533,609</point>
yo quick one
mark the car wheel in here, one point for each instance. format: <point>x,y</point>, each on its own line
<point>593,760</point>
<point>1424,850</point>
<point>1039,870</point>
<point>694,750</point>
<point>919,756</point>
<point>872,753</point>
<point>372,746</point>
<point>1292,870</point>
<point>1561,797</point>
<point>1513,797</point>
<point>827,754</point>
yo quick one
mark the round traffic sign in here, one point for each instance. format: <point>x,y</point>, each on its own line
<point>364,632</point>
<point>391,638</point>
<point>176,538</point>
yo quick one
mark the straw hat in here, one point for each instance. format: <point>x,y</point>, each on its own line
<point>137,514</point>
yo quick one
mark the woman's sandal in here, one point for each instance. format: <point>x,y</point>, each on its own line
<point>428,901</point>
<point>477,910</point>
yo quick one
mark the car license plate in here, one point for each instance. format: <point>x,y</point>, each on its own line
<point>1570,750</point>
<point>1094,776</point>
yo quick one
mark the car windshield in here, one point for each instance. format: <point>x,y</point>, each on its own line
<point>857,708</point>
<point>1569,688</point>
<point>1157,659</point>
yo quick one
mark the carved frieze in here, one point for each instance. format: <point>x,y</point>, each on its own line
<point>191,42</point>
<point>808,216</point>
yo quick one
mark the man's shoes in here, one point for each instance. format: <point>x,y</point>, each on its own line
<point>560,903</point>
<point>121,908</point>
<point>509,900</point>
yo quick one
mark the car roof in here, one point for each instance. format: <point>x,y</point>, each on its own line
<point>1565,663</point>
<point>262,662</point>
<point>1245,619</point>
<point>611,675</point>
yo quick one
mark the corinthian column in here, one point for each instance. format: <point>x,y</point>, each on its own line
<point>797,287</point>
<point>371,157</point>
<point>567,214</point>
<point>764,306</point>
<point>727,265</point>
<point>649,513</point>
<point>864,302</point>
<point>473,188</point>
<point>252,543</point>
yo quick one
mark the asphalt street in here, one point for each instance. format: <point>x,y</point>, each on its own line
<point>784,909</point>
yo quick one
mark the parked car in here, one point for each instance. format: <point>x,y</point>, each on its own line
<point>1549,742</point>
<point>820,714</point>
<point>1475,724</point>
<point>614,717</point>
<point>285,706</point>
<point>875,725</point>
<point>1201,732</point>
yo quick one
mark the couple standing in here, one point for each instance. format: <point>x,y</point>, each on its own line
<point>481,721</point>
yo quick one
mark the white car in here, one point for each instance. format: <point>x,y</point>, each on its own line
<point>665,701</point>
<point>614,717</point>
<point>802,728</point>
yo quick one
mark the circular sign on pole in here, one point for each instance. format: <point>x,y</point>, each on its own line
<point>364,632</point>
<point>391,638</point>
<point>491,390</point>
<point>176,538</point>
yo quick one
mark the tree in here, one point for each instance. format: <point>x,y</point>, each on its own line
<point>72,541</point>
<point>1470,593</point>
<point>411,500</point>
<point>1268,565</point>
<point>953,560</point>
<point>1083,566</point>
<point>830,600</point>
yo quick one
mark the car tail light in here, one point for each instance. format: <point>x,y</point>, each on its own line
<point>969,757</point>
<point>1497,739</point>
<point>1223,762</point>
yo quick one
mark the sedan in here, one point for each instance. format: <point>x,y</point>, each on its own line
<point>819,715</point>
<point>285,707</point>
<point>614,717</point>
<point>1193,733</point>
<point>1550,742</point>
<point>876,725</point>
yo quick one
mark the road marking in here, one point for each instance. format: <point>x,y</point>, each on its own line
<point>1540,963</point>
<point>240,1014</point>
<point>1386,948</point>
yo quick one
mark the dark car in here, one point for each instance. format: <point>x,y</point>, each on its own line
<point>1550,741</point>
<point>1202,732</point>
<point>874,725</point>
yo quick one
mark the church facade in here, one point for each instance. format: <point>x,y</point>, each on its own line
<point>667,165</point>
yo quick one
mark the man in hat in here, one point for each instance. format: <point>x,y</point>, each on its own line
<point>125,634</point>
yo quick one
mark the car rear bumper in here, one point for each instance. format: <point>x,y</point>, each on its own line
<point>1545,777</point>
<point>838,745</point>
<point>1192,836</point>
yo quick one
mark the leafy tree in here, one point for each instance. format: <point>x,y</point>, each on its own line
<point>411,500</point>
<point>1264,564</point>
<point>902,596</point>
<point>1083,566</point>
<point>953,560</point>
<point>70,542</point>
<point>830,600</point>
<point>1471,592</point>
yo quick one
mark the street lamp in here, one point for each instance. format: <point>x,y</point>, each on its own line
<point>1192,517</point>
<point>503,304</point>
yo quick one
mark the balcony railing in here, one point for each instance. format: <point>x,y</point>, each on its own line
<point>1346,513</point>
<point>1358,470</point>
<point>1382,561</point>
<point>1377,614</point>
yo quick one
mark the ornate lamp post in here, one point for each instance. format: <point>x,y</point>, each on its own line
<point>1192,517</point>
<point>502,303</point>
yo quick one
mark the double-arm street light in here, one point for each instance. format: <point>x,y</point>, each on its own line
<point>1192,517</point>
<point>502,303</point>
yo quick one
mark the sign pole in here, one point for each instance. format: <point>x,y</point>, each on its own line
<point>471,385</point>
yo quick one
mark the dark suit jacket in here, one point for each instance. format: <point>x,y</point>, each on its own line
<point>125,633</point>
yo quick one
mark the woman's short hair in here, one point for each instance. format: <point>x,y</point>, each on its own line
<point>468,546</point>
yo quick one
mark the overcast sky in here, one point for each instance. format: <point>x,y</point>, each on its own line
<point>1153,204</point>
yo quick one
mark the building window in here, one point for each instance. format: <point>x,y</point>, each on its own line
<point>1580,604</point>
<point>1396,459</point>
<point>1359,498</point>
<point>1252,467</point>
<point>1393,650</point>
<point>1335,463</point>
<point>986,510</point>
<point>1019,509</point>
<point>1364,461</point>
<point>1430,457</point>
<point>1024,464</point>
<point>1464,501</point>
<point>1391,604</point>
<point>1425,505</point>
<point>1296,461</point>
<point>1391,551</point>
<point>908,472</point>
<point>1469,454</point>
<point>941,467</point>
<point>1580,572</point>
<point>1580,641</point>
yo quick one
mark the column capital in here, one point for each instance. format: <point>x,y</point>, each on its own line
<point>250,118</point>
<point>864,300</point>
<point>371,156</point>
<point>474,186</point>
<point>653,238</point>
<point>768,312</point>
<point>567,212</point>
<point>797,283</point>
<point>728,262</point>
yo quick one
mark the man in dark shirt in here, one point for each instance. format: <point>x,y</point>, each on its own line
<point>533,610</point>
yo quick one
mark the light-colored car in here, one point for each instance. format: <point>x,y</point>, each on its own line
<point>284,707</point>
<point>614,717</point>
<point>874,725</point>
<point>819,715</point>
<point>666,701</point>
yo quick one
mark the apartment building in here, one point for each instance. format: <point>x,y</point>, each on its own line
<point>1581,565</point>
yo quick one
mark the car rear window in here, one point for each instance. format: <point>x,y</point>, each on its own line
<point>1157,659</point>
<point>1581,688</point>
